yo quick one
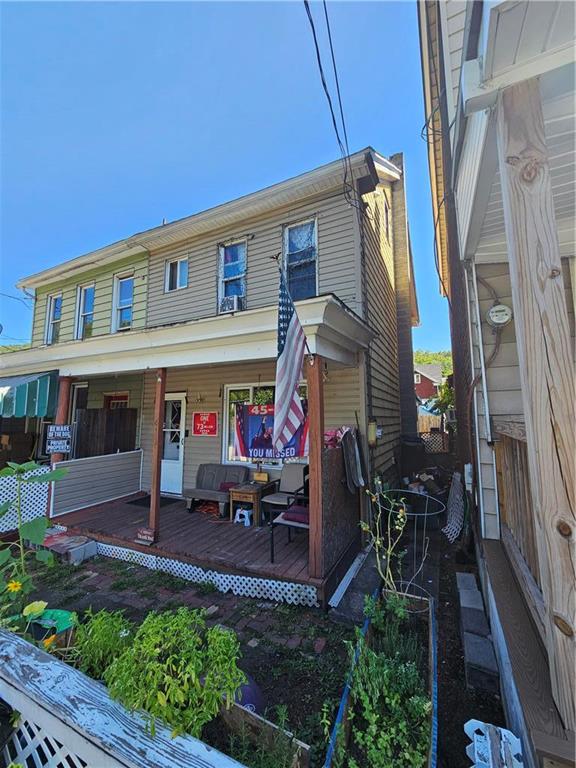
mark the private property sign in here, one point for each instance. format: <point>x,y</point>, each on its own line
<point>59,438</point>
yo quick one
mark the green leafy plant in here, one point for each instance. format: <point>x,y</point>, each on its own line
<point>177,670</point>
<point>101,639</point>
<point>444,400</point>
<point>15,579</point>
<point>277,752</point>
<point>390,726</point>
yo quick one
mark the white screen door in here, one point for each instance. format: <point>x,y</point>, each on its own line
<point>173,443</point>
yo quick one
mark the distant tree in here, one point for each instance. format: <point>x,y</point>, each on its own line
<point>12,347</point>
<point>443,358</point>
<point>443,400</point>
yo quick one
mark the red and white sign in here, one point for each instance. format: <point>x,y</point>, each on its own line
<point>205,423</point>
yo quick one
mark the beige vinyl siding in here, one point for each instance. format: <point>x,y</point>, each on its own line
<point>108,385</point>
<point>383,394</point>
<point>103,279</point>
<point>95,480</point>
<point>336,263</point>
<point>341,393</point>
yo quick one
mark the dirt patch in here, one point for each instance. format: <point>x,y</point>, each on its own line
<point>456,703</point>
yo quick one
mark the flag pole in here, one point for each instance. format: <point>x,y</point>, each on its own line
<point>282,274</point>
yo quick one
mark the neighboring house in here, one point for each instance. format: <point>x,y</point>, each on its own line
<point>427,380</point>
<point>500,104</point>
<point>181,318</point>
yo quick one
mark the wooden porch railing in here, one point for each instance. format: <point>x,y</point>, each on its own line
<point>517,520</point>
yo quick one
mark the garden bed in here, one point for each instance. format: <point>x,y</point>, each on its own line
<point>387,713</point>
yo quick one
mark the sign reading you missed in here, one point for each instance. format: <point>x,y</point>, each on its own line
<point>58,438</point>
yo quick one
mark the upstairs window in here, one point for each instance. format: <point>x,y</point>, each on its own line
<point>417,378</point>
<point>176,275</point>
<point>300,252</point>
<point>53,319</point>
<point>232,277</point>
<point>85,318</point>
<point>123,300</point>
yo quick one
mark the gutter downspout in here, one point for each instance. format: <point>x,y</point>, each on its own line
<point>476,436</point>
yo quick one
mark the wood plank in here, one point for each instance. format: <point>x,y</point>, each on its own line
<point>313,366</point>
<point>546,359</point>
<point>79,713</point>
<point>157,436</point>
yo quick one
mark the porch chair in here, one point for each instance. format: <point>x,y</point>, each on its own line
<point>293,480</point>
<point>296,515</point>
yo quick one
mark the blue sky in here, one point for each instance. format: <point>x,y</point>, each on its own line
<point>117,115</point>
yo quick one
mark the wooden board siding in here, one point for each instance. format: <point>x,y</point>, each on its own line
<point>341,393</point>
<point>95,480</point>
<point>103,279</point>
<point>336,263</point>
<point>383,394</point>
<point>503,376</point>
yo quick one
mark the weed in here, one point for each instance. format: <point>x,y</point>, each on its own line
<point>101,639</point>
<point>275,753</point>
<point>205,588</point>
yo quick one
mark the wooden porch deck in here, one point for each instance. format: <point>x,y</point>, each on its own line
<point>196,538</point>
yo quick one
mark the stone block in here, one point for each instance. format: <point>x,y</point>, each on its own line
<point>479,653</point>
<point>471,598</point>
<point>466,581</point>
<point>474,621</point>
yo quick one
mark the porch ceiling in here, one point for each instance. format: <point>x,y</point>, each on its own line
<point>332,330</point>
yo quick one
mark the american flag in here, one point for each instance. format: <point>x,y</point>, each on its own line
<point>288,412</point>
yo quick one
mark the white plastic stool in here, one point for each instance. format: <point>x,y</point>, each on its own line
<point>243,516</point>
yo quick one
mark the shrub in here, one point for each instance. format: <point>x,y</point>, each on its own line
<point>177,670</point>
<point>101,639</point>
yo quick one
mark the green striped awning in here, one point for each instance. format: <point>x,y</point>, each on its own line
<point>31,395</point>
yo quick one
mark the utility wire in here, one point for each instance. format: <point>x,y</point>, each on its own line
<point>17,298</point>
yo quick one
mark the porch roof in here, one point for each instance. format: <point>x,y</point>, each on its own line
<point>332,330</point>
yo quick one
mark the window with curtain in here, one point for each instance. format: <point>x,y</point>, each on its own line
<point>232,272</point>
<point>300,254</point>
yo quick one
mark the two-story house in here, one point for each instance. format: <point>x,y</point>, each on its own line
<point>138,339</point>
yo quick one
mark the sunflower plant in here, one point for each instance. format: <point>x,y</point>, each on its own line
<point>15,580</point>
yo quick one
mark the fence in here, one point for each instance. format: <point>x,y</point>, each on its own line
<point>34,499</point>
<point>101,431</point>
<point>95,480</point>
<point>69,721</point>
<point>436,442</point>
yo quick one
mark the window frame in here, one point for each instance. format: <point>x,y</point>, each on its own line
<point>285,233</point>
<point>177,261</point>
<point>223,280</point>
<point>115,298</point>
<point>49,324</point>
<point>276,463</point>
<point>80,314</point>
<point>121,395</point>
<point>417,378</point>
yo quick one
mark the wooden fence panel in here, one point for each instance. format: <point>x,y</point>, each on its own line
<point>100,431</point>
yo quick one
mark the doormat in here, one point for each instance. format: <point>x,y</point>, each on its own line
<point>144,501</point>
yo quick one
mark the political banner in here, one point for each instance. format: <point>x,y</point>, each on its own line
<point>253,431</point>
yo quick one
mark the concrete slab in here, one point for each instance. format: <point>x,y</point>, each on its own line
<point>466,581</point>
<point>471,598</point>
<point>479,653</point>
<point>474,621</point>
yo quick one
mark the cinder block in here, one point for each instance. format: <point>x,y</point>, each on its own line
<point>71,549</point>
<point>479,653</point>
<point>474,621</point>
<point>471,598</point>
<point>466,580</point>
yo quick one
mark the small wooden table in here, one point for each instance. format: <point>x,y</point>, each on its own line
<point>250,493</point>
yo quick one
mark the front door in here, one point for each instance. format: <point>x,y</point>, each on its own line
<point>173,443</point>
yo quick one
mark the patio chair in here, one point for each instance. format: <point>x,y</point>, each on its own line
<point>296,515</point>
<point>293,480</point>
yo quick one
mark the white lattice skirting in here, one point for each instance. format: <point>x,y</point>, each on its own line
<point>32,747</point>
<point>34,499</point>
<point>244,586</point>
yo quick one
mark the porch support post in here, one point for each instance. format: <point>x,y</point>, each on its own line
<point>545,357</point>
<point>313,366</point>
<point>62,409</point>
<point>160,391</point>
